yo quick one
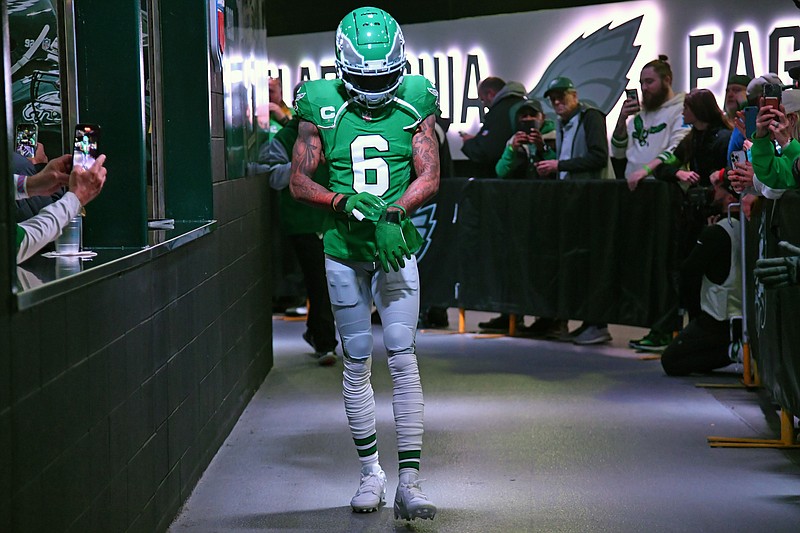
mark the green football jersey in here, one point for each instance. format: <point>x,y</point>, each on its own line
<point>366,150</point>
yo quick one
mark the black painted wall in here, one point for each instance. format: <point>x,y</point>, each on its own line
<point>284,18</point>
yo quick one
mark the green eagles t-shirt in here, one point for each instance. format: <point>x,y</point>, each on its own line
<point>366,150</point>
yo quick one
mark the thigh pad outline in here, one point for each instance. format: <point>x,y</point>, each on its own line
<point>343,287</point>
<point>405,279</point>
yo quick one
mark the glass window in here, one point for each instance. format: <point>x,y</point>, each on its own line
<point>35,76</point>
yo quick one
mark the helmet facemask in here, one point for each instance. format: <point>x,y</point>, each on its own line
<point>370,56</point>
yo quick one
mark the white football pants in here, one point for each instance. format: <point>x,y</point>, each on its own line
<point>353,286</point>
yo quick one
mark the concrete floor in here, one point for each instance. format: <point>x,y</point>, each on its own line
<point>520,436</point>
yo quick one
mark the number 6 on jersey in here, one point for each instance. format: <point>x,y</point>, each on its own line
<point>379,180</point>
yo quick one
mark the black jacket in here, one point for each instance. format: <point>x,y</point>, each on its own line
<point>589,149</point>
<point>704,151</point>
<point>486,148</point>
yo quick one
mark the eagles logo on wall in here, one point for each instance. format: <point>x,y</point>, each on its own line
<point>601,61</point>
<point>598,64</point>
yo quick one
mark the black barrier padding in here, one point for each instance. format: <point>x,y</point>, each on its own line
<point>789,308</point>
<point>773,314</point>
<point>439,260</point>
<point>587,250</point>
<point>761,311</point>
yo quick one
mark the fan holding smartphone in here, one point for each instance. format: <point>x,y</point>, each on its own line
<point>772,119</point>
<point>528,144</point>
<point>777,126</point>
<point>84,185</point>
<point>633,95</point>
<point>85,147</point>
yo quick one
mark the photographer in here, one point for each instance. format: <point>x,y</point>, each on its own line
<point>712,292</point>
<point>529,144</point>
<point>775,152</point>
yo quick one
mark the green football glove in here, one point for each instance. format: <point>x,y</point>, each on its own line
<point>777,272</point>
<point>365,206</point>
<point>392,245</point>
<point>412,236</point>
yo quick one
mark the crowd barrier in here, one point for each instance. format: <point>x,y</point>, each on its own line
<point>772,315</point>
<point>585,250</point>
<point>593,250</point>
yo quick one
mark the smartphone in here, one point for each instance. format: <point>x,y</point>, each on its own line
<point>26,138</point>
<point>738,156</point>
<point>86,145</point>
<point>632,94</point>
<point>750,114</point>
<point>772,95</point>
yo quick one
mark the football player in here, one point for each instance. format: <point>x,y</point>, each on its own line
<point>371,124</point>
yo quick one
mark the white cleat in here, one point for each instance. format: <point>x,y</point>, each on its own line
<point>411,503</point>
<point>370,493</point>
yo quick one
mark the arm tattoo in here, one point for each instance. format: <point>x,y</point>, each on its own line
<point>425,155</point>
<point>306,157</point>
